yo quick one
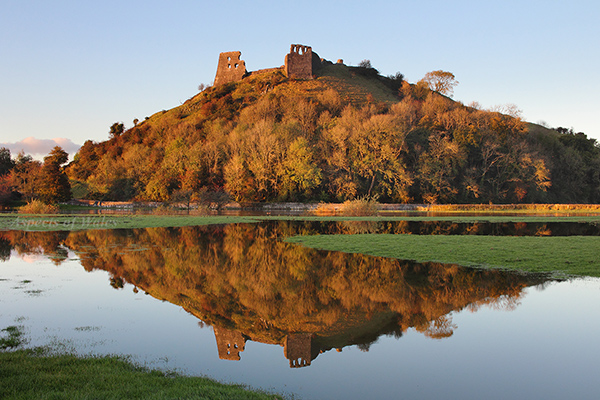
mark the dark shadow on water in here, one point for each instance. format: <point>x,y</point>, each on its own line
<point>249,285</point>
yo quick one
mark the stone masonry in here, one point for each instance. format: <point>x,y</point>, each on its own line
<point>230,68</point>
<point>301,62</point>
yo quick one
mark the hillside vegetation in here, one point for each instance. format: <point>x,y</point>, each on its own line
<point>348,133</point>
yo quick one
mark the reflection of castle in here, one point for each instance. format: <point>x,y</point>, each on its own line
<point>297,346</point>
<point>338,300</point>
<point>229,343</point>
<point>297,349</point>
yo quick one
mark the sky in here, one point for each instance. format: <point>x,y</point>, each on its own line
<point>70,69</point>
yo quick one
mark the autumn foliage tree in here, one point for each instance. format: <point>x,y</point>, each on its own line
<point>54,184</point>
<point>6,165</point>
<point>25,177</point>
<point>266,138</point>
<point>441,81</point>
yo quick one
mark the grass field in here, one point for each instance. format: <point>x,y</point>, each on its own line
<point>65,222</point>
<point>560,255</point>
<point>32,374</point>
<point>44,373</point>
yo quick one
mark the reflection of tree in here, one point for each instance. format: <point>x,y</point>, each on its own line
<point>117,282</point>
<point>5,248</point>
<point>46,243</point>
<point>242,278</point>
<point>248,284</point>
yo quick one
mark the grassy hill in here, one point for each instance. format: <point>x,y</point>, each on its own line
<point>349,132</point>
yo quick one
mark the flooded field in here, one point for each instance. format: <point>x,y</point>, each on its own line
<point>236,303</point>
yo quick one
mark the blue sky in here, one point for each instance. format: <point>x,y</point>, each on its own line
<point>69,69</point>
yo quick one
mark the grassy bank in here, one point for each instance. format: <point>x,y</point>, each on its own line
<point>64,222</point>
<point>570,255</point>
<point>41,373</point>
<point>31,374</point>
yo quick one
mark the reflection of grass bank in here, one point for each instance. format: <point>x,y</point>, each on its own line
<point>82,222</point>
<point>39,373</point>
<point>570,255</point>
<point>512,208</point>
<point>13,338</point>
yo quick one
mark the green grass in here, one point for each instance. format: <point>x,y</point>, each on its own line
<point>352,86</point>
<point>560,256</point>
<point>64,222</point>
<point>33,374</point>
<point>47,373</point>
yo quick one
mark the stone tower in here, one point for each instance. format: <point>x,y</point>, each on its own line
<point>301,62</point>
<point>230,68</point>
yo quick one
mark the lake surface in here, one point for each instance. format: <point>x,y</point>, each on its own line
<point>237,304</point>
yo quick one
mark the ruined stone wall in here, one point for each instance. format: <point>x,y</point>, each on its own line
<point>230,68</point>
<point>301,62</point>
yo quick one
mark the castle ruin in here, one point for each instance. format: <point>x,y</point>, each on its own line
<point>230,68</point>
<point>300,63</point>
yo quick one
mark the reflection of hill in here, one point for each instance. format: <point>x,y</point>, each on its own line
<point>249,285</point>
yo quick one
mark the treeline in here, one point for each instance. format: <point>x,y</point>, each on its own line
<point>24,178</point>
<point>336,138</point>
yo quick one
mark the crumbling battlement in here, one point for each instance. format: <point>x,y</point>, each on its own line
<point>301,62</point>
<point>230,68</point>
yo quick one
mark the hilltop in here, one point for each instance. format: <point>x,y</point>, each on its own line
<point>341,133</point>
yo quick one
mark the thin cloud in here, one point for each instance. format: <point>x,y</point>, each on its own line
<point>41,147</point>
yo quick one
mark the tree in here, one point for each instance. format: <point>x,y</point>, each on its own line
<point>441,81</point>
<point>203,86</point>
<point>300,172</point>
<point>395,81</point>
<point>376,156</point>
<point>6,163</point>
<point>54,185</point>
<point>25,176</point>
<point>116,130</point>
<point>5,191</point>
<point>365,64</point>
<point>439,169</point>
<point>56,156</point>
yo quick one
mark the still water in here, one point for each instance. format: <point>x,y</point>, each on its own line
<point>237,304</point>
